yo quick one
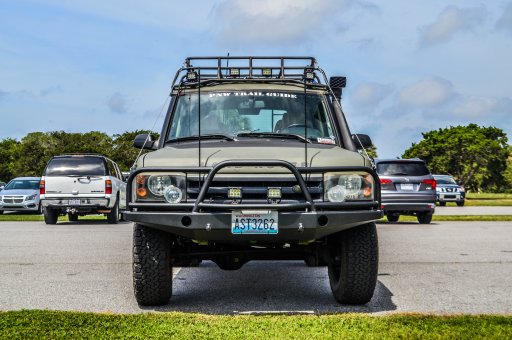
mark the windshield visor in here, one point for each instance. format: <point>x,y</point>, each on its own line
<point>234,113</point>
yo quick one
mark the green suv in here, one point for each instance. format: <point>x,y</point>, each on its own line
<point>255,161</point>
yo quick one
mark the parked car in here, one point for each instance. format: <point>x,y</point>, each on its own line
<point>407,188</point>
<point>448,190</point>
<point>21,194</point>
<point>82,184</point>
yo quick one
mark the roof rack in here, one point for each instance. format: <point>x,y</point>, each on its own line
<point>199,70</point>
<point>80,154</point>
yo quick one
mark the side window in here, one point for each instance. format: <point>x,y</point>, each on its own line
<point>118,172</point>
<point>111,168</point>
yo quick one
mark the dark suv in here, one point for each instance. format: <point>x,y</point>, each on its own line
<point>407,188</point>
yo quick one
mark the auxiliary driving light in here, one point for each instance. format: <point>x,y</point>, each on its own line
<point>274,193</point>
<point>336,193</point>
<point>235,193</point>
<point>173,194</point>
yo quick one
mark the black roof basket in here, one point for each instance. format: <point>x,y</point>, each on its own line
<point>202,70</point>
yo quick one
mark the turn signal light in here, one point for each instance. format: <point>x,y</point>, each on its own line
<point>42,190</point>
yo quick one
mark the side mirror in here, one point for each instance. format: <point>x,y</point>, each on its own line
<point>144,141</point>
<point>362,141</point>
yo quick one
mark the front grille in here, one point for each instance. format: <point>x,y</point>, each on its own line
<point>13,199</point>
<point>254,189</point>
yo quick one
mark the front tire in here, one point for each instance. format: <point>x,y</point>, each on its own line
<point>51,216</point>
<point>460,203</point>
<point>424,218</point>
<point>152,270</point>
<point>354,264</point>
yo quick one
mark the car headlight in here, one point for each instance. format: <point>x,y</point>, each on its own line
<point>340,187</point>
<point>31,197</point>
<point>159,187</point>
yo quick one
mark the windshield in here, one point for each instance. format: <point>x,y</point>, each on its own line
<point>23,184</point>
<point>234,113</point>
<point>445,180</point>
<point>402,169</point>
<point>76,166</point>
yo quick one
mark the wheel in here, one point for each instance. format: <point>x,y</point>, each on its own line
<point>424,218</point>
<point>392,217</point>
<point>152,270</point>
<point>72,217</point>
<point>113,215</point>
<point>460,203</point>
<point>354,263</point>
<point>51,216</point>
<point>1,212</point>
<point>442,204</point>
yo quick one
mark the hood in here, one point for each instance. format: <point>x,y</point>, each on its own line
<point>215,152</point>
<point>18,192</point>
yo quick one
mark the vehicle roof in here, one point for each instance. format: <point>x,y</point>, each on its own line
<point>398,160</point>
<point>255,85</point>
<point>26,178</point>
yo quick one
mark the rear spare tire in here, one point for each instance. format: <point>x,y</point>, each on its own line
<point>354,263</point>
<point>152,270</point>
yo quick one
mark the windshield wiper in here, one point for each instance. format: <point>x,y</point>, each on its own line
<point>196,137</point>
<point>274,135</point>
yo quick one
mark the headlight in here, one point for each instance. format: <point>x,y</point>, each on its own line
<point>31,197</point>
<point>340,187</point>
<point>157,187</point>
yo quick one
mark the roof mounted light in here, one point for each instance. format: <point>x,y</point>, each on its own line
<point>234,72</point>
<point>266,72</point>
<point>192,75</point>
<point>309,74</point>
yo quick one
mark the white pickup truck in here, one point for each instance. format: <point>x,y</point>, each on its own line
<point>82,184</point>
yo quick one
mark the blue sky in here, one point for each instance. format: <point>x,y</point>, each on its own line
<point>107,65</point>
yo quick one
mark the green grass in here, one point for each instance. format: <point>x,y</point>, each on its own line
<point>477,218</point>
<point>33,217</point>
<point>486,195</point>
<point>38,324</point>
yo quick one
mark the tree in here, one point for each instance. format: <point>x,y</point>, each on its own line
<point>7,158</point>
<point>123,152</point>
<point>372,151</point>
<point>473,154</point>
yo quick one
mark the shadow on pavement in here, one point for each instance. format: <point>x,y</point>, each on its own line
<point>261,286</point>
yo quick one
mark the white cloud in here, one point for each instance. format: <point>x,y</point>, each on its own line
<point>481,107</point>
<point>281,22</point>
<point>428,92</point>
<point>504,23</point>
<point>451,21</point>
<point>117,103</point>
<point>369,94</point>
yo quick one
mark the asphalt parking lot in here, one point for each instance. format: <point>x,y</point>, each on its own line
<point>444,267</point>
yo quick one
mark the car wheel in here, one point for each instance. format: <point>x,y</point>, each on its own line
<point>353,265</point>
<point>393,217</point>
<point>460,203</point>
<point>1,212</point>
<point>442,204</point>
<point>424,218</point>
<point>152,269</point>
<point>72,217</point>
<point>51,216</point>
<point>113,215</point>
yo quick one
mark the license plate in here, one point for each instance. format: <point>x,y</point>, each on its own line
<point>254,222</point>
<point>406,186</point>
<point>74,202</point>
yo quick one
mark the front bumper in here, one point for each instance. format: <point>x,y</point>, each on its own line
<point>216,226</point>
<point>24,206</point>
<point>450,197</point>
